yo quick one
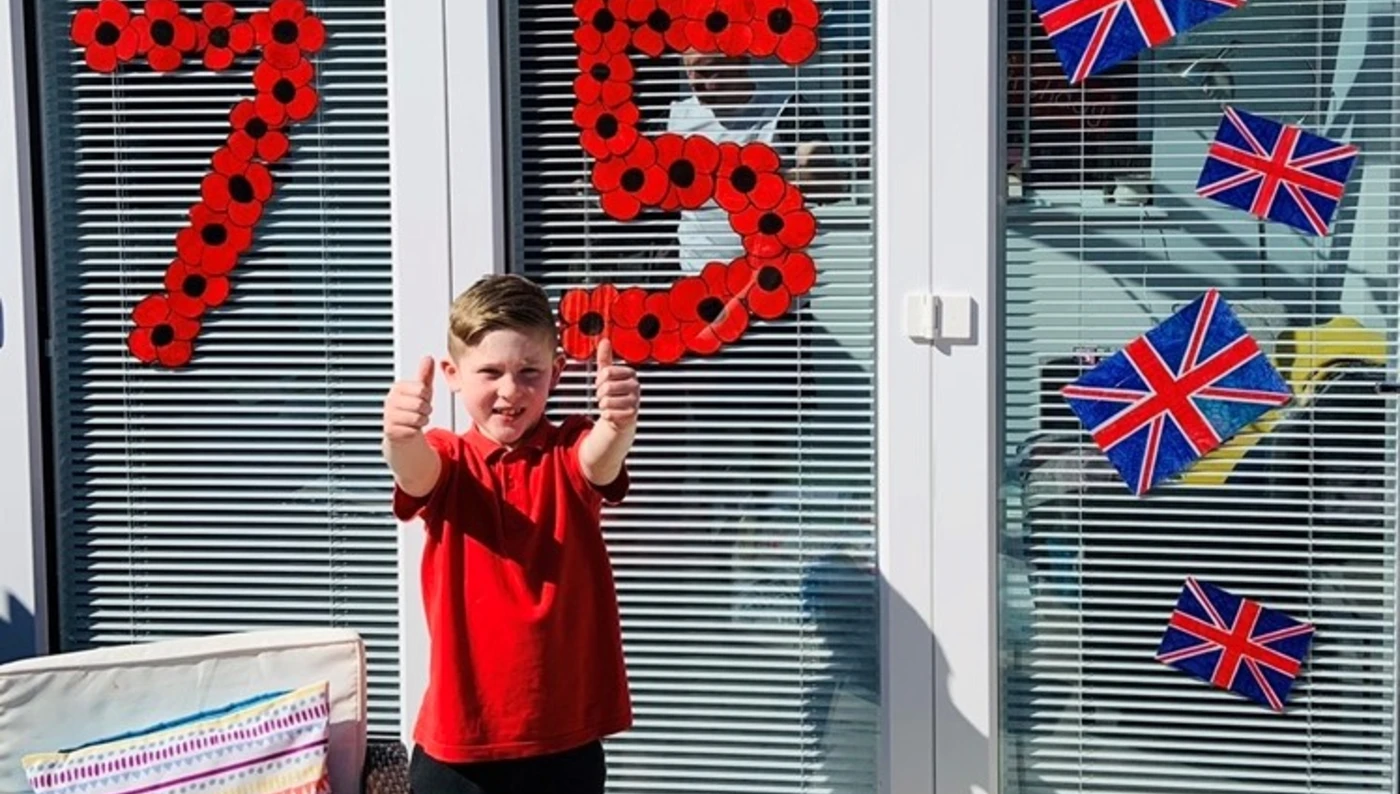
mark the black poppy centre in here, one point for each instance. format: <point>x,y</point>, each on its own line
<point>682,173</point>
<point>771,223</point>
<point>659,21</point>
<point>214,234</point>
<point>591,323</point>
<point>744,179</point>
<point>218,37</point>
<point>769,278</point>
<point>780,20</point>
<point>107,34</point>
<point>194,285</point>
<point>162,335</point>
<point>716,22</point>
<point>607,125</point>
<point>162,32</point>
<point>283,91</point>
<point>284,32</point>
<point>710,309</point>
<point>633,179</point>
<point>600,72</point>
<point>604,21</point>
<point>649,327</point>
<point>240,189</point>
<point>256,128</point>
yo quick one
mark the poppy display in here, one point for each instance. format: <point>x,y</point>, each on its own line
<point>785,28</point>
<point>586,317</point>
<point>644,327</point>
<point>709,312</point>
<point>284,94</point>
<point>768,286</point>
<point>105,34</point>
<point>287,33</point>
<point>254,136</point>
<point>161,334</point>
<point>236,187</point>
<point>630,182</point>
<point>786,226</point>
<point>658,25</point>
<point>603,26</point>
<point>221,37</point>
<point>689,164</point>
<point>164,35</point>
<point>719,25</point>
<point>191,290</point>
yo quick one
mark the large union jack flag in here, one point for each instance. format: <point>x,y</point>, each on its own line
<point>1276,171</point>
<point>1235,644</point>
<point>1176,392</point>
<point>1092,36</point>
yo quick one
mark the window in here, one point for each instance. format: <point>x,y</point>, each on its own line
<point>246,490</point>
<point>1298,512</point>
<point>745,552</point>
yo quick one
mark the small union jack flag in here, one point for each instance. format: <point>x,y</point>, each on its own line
<point>1276,171</point>
<point>1092,36</point>
<point>1235,644</point>
<point>1176,393</point>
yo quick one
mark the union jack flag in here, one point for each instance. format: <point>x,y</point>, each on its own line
<point>1092,36</point>
<point>1276,171</point>
<point>1176,393</point>
<point>1235,644</point>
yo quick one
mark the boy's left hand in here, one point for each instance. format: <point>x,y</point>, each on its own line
<point>619,393</point>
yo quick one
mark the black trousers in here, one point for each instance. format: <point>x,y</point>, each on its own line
<point>582,770</point>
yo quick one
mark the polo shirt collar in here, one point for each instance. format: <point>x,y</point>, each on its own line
<point>537,439</point>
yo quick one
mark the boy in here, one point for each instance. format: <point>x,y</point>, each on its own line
<point>526,670</point>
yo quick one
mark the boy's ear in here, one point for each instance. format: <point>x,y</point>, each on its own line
<point>559,363</point>
<point>449,373</point>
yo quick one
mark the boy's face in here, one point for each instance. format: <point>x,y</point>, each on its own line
<point>504,382</point>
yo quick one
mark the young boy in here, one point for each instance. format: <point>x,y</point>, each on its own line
<point>526,670</point>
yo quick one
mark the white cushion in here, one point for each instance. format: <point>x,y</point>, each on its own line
<point>65,700</point>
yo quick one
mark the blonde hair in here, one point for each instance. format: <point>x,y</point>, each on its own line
<point>499,302</point>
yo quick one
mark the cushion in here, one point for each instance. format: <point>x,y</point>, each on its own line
<point>119,688</point>
<point>275,743</point>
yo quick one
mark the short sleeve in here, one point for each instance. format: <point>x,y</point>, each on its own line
<point>432,504</point>
<point>572,433</point>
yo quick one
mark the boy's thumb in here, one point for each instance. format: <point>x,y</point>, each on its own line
<point>425,371</point>
<point>605,354</point>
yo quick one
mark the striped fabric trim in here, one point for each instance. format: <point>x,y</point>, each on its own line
<point>271,745</point>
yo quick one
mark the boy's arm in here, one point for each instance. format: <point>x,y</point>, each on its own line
<point>602,453</point>
<point>416,465</point>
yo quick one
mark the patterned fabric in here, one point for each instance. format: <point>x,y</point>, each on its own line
<point>275,743</point>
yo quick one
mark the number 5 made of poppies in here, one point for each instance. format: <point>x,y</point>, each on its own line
<point>697,314</point>
<point>239,184</point>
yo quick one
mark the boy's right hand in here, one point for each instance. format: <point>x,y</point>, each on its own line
<point>409,404</point>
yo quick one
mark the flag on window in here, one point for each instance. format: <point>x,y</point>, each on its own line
<point>1093,36</point>
<point>1276,171</point>
<point>1177,392</point>
<point>1236,644</point>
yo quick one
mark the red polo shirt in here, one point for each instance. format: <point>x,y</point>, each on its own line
<point>518,591</point>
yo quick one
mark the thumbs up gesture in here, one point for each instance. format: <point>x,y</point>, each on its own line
<point>619,393</point>
<point>409,403</point>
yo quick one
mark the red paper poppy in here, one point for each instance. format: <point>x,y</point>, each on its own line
<point>221,36</point>
<point>690,163</point>
<point>769,285</point>
<point>164,35</point>
<point>212,242</point>
<point>719,25</point>
<point>748,177</point>
<point>787,226</point>
<point>607,132</point>
<point>106,35</point>
<point>785,27</point>
<point>645,327</point>
<point>287,33</point>
<point>710,314</point>
<point>586,318</point>
<point>631,181</point>
<point>604,77</point>
<point>237,188</point>
<point>657,25</point>
<point>604,25</point>
<point>161,334</point>
<point>253,136</point>
<point>284,93</point>
<point>191,290</point>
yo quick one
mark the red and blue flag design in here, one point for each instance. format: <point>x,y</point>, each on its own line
<point>1276,171</point>
<point>1176,393</point>
<point>1093,36</point>
<point>1235,644</point>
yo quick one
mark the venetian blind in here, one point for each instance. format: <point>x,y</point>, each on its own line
<point>246,490</point>
<point>1105,238</point>
<point>745,552</point>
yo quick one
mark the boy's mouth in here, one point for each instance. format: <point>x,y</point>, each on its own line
<point>509,413</point>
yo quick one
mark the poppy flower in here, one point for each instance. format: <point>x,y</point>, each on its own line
<point>690,164</point>
<point>607,132</point>
<point>161,334</point>
<point>284,93</point>
<point>221,36</point>
<point>287,33</point>
<point>237,188</point>
<point>644,327</point>
<point>719,25</point>
<point>709,312</point>
<point>769,285</point>
<point>605,76</point>
<point>253,136</point>
<point>212,242</point>
<point>785,226</point>
<point>106,35</point>
<point>191,290</point>
<point>586,319</point>
<point>748,176</point>
<point>657,25</point>
<point>164,35</point>
<point>787,28</point>
<point>630,181</point>
<point>604,27</point>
